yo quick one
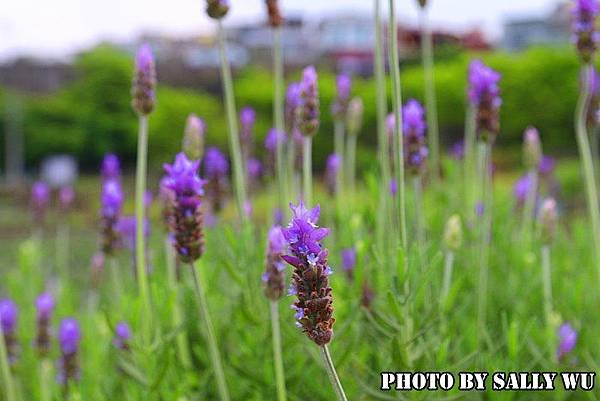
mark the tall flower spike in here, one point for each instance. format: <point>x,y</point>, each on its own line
<point>144,81</point>
<point>521,189</point>
<point>308,112</point>
<point>334,163</point>
<point>293,100</point>
<point>349,262</point>
<point>122,336</point>
<point>44,305</point>
<point>9,315</point>
<point>186,227</point>
<point>112,203</point>
<point>585,13</point>
<point>415,148</point>
<point>217,9</point>
<point>274,13</point>
<point>216,170</point>
<point>193,137</point>
<point>310,278</point>
<point>548,218</point>
<point>567,337</point>
<point>69,338</point>
<point>40,197</point>
<point>343,87</point>
<point>354,116</point>
<point>274,276</point>
<point>532,148</point>
<point>273,137</point>
<point>247,121</point>
<point>111,167</point>
<point>484,95</point>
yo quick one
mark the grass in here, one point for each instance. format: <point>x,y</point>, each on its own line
<point>366,341</point>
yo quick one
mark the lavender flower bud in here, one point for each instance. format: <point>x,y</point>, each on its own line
<point>66,196</point>
<point>144,82</point>
<point>126,227</point>
<point>193,137</point>
<point>521,190</point>
<point>413,126</point>
<point>334,163</point>
<point>216,170</point>
<point>122,336</point>
<point>9,315</point>
<point>187,222</point>
<point>111,167</point>
<point>69,338</point>
<point>308,112</point>
<point>548,219</point>
<point>532,148</point>
<point>275,18</point>
<point>484,95</point>
<point>349,262</point>
<point>453,234</point>
<point>293,100</point>
<point>217,9</point>
<point>274,276</point>
<point>310,278</point>
<point>585,14</point>
<point>354,118</point>
<point>40,197</point>
<point>340,105</point>
<point>112,203</point>
<point>44,305</point>
<point>567,341</point>
<point>546,165</point>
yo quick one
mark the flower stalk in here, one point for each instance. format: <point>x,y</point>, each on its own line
<point>278,111</point>
<point>331,372</point>
<point>307,169</point>
<point>8,385</point>
<point>277,354</point>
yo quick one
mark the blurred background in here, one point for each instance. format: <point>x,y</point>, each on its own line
<point>66,68</point>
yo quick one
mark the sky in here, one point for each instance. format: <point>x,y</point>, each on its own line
<point>58,28</point>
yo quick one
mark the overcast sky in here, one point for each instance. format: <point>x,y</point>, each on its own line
<point>60,27</point>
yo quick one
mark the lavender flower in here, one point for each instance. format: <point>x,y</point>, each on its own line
<point>593,111</point>
<point>308,112</point>
<point>340,105</point>
<point>274,276</point>
<point>367,296</point>
<point>112,203</point>
<point>247,121</point>
<point>274,13</point>
<point>9,315</point>
<point>521,190</point>
<point>122,336</point>
<point>334,163</point>
<point>217,9</point>
<point>548,218</point>
<point>193,137</point>
<point>293,100</point>
<point>457,150</point>
<point>183,180</point>
<point>216,170</point>
<point>271,140</point>
<point>484,95</point>
<point>66,196</point>
<point>277,217</point>
<point>111,167</point>
<point>40,197</point>
<point>585,14</point>
<point>349,262</point>
<point>126,227</point>
<point>532,148</point>
<point>567,341</point>
<point>393,187</point>
<point>69,338</point>
<point>44,305</point>
<point>96,269</point>
<point>547,165</point>
<point>144,81</point>
<point>310,278</point>
<point>254,169</point>
<point>354,115</point>
<point>413,126</point>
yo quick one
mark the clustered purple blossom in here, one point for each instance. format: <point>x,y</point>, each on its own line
<point>340,105</point>
<point>593,111</point>
<point>217,9</point>
<point>44,305</point>
<point>413,127</point>
<point>293,100</point>
<point>9,315</point>
<point>334,163</point>
<point>308,112</point>
<point>122,336</point>
<point>216,170</point>
<point>144,81</point>
<point>310,278</point>
<point>40,197</point>
<point>585,13</point>
<point>567,340</point>
<point>521,189</point>
<point>274,276</point>
<point>484,95</point>
<point>110,213</point>
<point>457,150</point>
<point>186,224</point>
<point>349,262</point>
<point>273,138</point>
<point>193,137</point>
<point>111,167</point>
<point>69,338</point>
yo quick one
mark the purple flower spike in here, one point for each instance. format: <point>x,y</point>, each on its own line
<point>193,137</point>
<point>45,307</point>
<point>215,164</point>
<point>186,224</point>
<point>349,261</point>
<point>293,100</point>
<point>273,137</point>
<point>66,197</point>
<point>144,81</point>
<point>547,165</point>
<point>112,203</point>
<point>484,94</point>
<point>8,316</point>
<point>340,106</point>
<point>334,163</point>
<point>308,113</point>
<point>40,197</point>
<point>585,13</point>
<point>415,149</point>
<point>255,169</point>
<point>274,275</point>
<point>111,167</point>
<point>522,189</point>
<point>310,278</point>
<point>69,338</point>
<point>122,336</point>
<point>567,340</point>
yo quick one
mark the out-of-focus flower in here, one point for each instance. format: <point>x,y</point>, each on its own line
<point>96,269</point>
<point>277,217</point>
<point>69,338</point>
<point>334,163</point>
<point>354,116</point>
<point>585,13</point>
<point>111,167</point>
<point>255,169</point>
<point>457,150</point>
<point>567,337</point>
<point>247,120</point>
<point>144,81</point>
<point>367,296</point>
<point>217,9</point>
<point>532,148</point>
<point>393,186</point>
<point>340,105</point>
<point>193,137</point>
<point>44,305</point>
<point>349,262</point>
<point>216,170</point>
<point>40,197</point>
<point>548,219</point>
<point>112,203</point>
<point>122,336</point>
<point>126,227</point>
<point>521,189</point>
<point>274,276</point>
<point>310,279</point>
<point>546,165</point>
<point>274,13</point>
<point>9,315</point>
<point>271,140</point>
<point>66,197</point>
<point>293,100</point>
<point>413,126</point>
<point>453,234</point>
<point>308,112</point>
<point>484,94</point>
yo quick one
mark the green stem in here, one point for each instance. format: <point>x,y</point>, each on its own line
<point>430,98</point>
<point>587,164</point>
<point>278,105</point>
<point>307,170</point>
<point>45,380</point>
<point>448,265</point>
<point>140,189</point>
<point>485,233</point>
<point>62,251</point>
<point>333,377</point>
<point>469,163</point>
<point>115,274</point>
<point>292,174</point>
<point>547,280</point>
<point>8,386</point>
<point>279,373</point>
<point>351,162</point>
<point>419,217</point>
<point>215,355</point>
<point>529,207</point>
<point>234,137</point>
<point>594,140</point>
<point>398,136</point>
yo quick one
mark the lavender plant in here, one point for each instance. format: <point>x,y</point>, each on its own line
<point>532,155</point>
<point>8,346</point>
<point>547,221</point>
<point>354,120</point>
<point>308,124</point>
<point>69,338</point>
